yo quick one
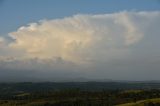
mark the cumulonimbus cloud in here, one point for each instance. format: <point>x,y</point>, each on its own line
<point>75,38</point>
<point>80,39</point>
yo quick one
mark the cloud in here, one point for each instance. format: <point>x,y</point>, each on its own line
<point>80,43</point>
<point>72,38</point>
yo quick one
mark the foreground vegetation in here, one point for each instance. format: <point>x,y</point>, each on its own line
<point>22,94</point>
<point>147,102</point>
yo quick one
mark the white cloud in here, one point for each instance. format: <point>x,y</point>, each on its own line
<point>76,38</point>
<point>83,40</point>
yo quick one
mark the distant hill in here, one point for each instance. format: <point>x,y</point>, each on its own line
<point>90,85</point>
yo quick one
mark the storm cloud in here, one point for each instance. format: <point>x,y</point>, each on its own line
<point>121,46</point>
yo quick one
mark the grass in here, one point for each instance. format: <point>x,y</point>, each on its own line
<point>141,102</point>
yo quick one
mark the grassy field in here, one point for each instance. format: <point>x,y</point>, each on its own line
<point>143,102</point>
<point>146,102</point>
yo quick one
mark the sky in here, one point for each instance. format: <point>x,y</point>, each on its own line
<point>60,40</point>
